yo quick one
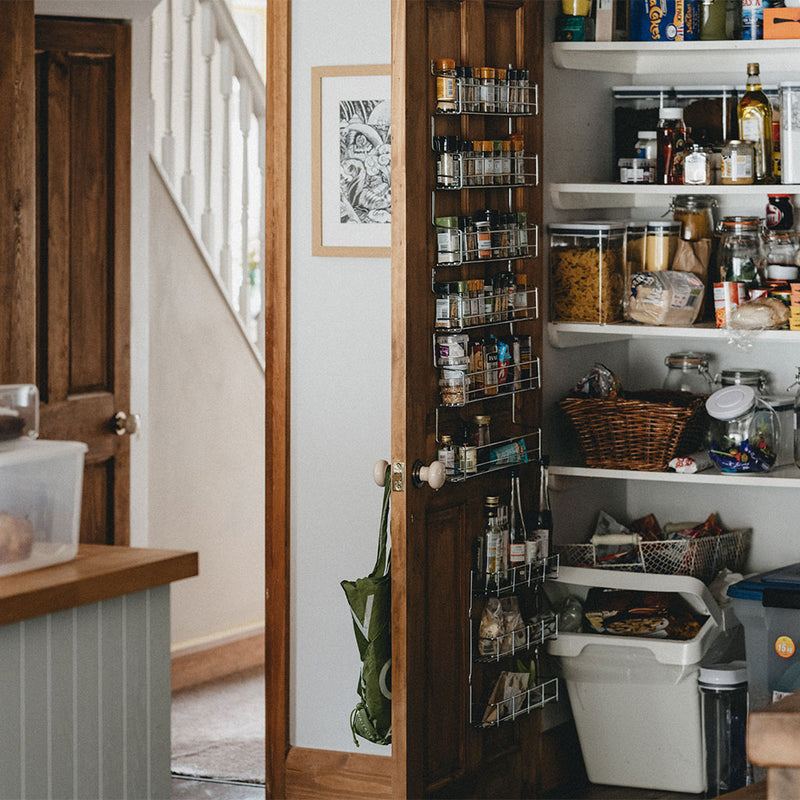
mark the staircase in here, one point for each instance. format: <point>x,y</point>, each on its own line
<point>208,144</point>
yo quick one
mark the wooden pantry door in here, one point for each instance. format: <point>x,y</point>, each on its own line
<point>436,750</point>
<point>83,236</point>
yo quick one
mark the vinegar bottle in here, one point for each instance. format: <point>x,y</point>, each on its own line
<point>517,535</point>
<point>543,523</point>
<point>670,146</point>
<point>755,123</point>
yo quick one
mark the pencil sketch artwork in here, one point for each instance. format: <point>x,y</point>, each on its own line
<point>365,161</point>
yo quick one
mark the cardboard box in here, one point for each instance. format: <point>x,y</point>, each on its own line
<point>782,23</point>
<point>604,20</point>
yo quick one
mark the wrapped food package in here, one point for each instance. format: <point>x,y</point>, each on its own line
<point>664,298</point>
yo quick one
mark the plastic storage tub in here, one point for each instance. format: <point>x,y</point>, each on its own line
<point>768,605</point>
<point>635,699</point>
<point>40,503</point>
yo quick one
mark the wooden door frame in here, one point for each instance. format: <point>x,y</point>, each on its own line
<point>278,179</point>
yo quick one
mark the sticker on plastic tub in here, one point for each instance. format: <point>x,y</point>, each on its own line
<point>784,646</point>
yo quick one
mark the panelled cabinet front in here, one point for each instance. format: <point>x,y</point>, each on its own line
<point>438,749</point>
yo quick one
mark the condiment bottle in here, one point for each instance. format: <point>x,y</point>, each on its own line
<point>517,532</point>
<point>492,539</point>
<point>755,123</point>
<point>447,455</point>
<point>738,162</point>
<point>445,85</point>
<point>671,143</point>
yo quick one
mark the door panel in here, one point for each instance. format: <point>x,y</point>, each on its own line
<point>436,751</point>
<point>83,232</point>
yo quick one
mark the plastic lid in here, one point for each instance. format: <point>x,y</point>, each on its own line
<point>731,402</point>
<point>588,227</point>
<point>663,225</point>
<point>646,134</point>
<point>724,676</point>
<point>668,112</point>
<point>782,272</point>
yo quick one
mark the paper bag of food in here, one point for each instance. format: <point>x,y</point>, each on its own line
<point>665,297</point>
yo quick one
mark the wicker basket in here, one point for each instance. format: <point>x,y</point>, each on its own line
<point>641,431</point>
<point>700,558</point>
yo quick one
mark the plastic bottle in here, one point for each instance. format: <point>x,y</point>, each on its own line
<point>724,693</point>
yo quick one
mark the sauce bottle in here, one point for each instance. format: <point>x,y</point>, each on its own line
<point>671,146</point>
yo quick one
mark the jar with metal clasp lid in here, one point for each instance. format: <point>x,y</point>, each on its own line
<point>688,371</point>
<point>743,377</point>
<point>695,213</point>
<point>745,431</point>
<point>741,257</point>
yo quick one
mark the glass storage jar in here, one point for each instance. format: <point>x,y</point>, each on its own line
<point>738,162</point>
<point>744,377</point>
<point>745,431</point>
<point>688,371</point>
<point>741,256</point>
<point>781,254</point>
<point>694,212</point>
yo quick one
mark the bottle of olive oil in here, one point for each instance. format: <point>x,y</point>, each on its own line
<point>755,123</point>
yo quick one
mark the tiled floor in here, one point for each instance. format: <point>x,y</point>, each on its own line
<point>183,789</point>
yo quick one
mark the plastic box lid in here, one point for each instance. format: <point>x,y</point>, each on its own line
<point>665,651</point>
<point>777,588</point>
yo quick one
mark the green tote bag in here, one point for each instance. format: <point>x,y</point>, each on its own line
<point>370,602</point>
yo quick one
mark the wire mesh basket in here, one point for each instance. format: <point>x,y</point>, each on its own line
<point>699,558</point>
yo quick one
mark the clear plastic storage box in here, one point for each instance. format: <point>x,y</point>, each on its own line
<point>636,699</point>
<point>587,264</point>
<point>40,503</point>
<point>768,606</point>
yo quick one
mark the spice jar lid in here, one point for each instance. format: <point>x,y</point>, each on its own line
<point>482,419</point>
<point>445,64</point>
<point>731,402</point>
<point>724,676</point>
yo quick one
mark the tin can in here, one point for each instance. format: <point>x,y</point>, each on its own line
<point>727,296</point>
<point>780,212</point>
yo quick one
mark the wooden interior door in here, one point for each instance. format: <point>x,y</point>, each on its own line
<point>437,751</point>
<point>83,235</point>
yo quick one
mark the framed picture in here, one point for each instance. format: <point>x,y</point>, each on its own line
<point>351,161</point>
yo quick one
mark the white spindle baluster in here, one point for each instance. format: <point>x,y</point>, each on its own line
<point>168,139</point>
<point>207,45</point>
<point>245,112</point>
<point>187,181</point>
<point>226,86</point>
<point>262,262</point>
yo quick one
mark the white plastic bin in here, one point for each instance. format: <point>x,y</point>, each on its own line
<point>40,496</point>
<point>635,699</point>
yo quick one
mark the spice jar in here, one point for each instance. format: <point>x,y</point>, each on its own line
<point>445,69</point>
<point>688,372</point>
<point>447,455</point>
<point>738,162</point>
<point>741,254</point>
<point>694,213</point>
<point>745,430</point>
<point>660,244</point>
<point>452,349</point>
<point>488,96</point>
<point>448,241</point>
<point>483,228</point>
<point>447,162</point>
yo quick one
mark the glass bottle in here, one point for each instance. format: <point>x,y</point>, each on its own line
<point>517,533</point>
<point>755,123</point>
<point>543,521</point>
<point>671,146</point>
<point>782,250</point>
<point>445,85</point>
<point>712,20</point>
<point>491,539</point>
<point>447,455</point>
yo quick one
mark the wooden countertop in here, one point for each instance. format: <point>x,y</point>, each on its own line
<point>98,572</point>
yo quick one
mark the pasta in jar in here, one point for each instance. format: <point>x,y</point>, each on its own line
<point>587,265</point>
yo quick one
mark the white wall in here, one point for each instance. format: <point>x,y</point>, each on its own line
<point>207,449</point>
<point>340,357</point>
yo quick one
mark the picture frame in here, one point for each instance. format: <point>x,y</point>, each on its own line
<point>351,161</point>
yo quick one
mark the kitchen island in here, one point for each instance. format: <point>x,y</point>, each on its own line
<point>85,666</point>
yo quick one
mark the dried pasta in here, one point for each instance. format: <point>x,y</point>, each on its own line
<point>586,284</point>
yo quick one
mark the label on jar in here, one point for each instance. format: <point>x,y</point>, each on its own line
<point>737,168</point>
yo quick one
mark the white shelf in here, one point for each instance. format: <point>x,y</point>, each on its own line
<point>697,60</point>
<point>577,334</point>
<point>787,477</point>
<point>647,195</point>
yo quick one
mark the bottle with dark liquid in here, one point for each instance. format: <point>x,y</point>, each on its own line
<point>517,534</point>
<point>671,146</point>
